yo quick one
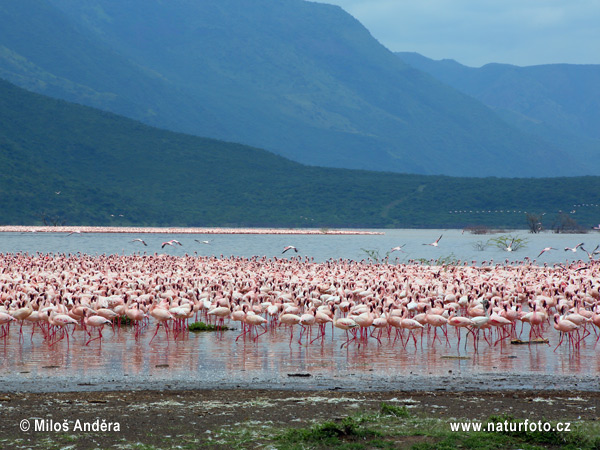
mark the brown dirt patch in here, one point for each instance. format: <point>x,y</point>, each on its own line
<point>152,416</point>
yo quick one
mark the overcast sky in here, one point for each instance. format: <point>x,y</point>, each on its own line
<point>477,32</point>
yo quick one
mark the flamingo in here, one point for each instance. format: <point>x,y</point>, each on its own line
<point>480,322</point>
<point>345,323</point>
<point>547,249</point>
<point>172,242</point>
<point>592,253</point>
<point>574,249</point>
<point>565,326</point>
<point>140,240</point>
<point>61,321</point>
<point>4,320</point>
<point>253,321</point>
<point>291,320</point>
<point>162,316</point>
<point>96,322</point>
<point>289,247</point>
<point>509,246</point>
<point>436,242</point>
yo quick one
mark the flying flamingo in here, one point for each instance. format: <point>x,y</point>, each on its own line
<point>399,248</point>
<point>574,249</point>
<point>436,243</point>
<point>172,242</point>
<point>592,253</point>
<point>140,240</point>
<point>547,249</point>
<point>289,247</point>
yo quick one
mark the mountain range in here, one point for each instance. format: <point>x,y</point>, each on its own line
<point>64,163</point>
<point>558,102</point>
<point>300,79</point>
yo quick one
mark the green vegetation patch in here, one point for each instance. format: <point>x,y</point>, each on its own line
<point>198,327</point>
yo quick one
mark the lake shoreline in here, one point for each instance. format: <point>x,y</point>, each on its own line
<point>182,230</point>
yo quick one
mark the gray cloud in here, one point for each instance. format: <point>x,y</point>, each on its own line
<point>476,32</point>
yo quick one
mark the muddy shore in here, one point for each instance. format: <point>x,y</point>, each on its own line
<point>155,418</point>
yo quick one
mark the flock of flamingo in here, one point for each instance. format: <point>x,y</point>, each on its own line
<point>59,295</point>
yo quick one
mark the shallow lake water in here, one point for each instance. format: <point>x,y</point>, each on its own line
<point>216,360</point>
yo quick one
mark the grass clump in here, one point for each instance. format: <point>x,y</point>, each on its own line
<point>396,411</point>
<point>330,434</point>
<point>197,327</point>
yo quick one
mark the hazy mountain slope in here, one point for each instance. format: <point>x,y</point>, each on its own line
<point>44,51</point>
<point>301,79</point>
<point>560,102</point>
<point>69,163</point>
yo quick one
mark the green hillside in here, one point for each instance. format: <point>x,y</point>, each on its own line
<point>300,79</point>
<point>71,164</point>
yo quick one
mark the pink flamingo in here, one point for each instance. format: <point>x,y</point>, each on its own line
<point>96,322</point>
<point>565,326</point>
<point>162,317</point>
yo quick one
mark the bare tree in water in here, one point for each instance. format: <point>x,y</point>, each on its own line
<point>534,222</point>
